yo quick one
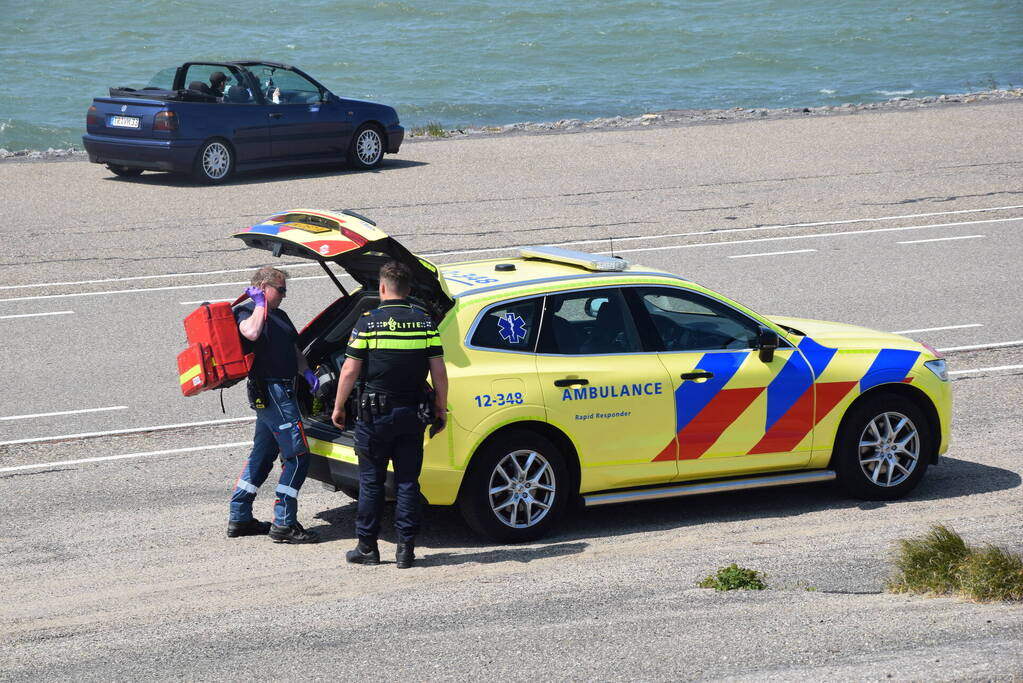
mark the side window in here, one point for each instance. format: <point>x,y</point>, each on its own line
<point>287,87</point>
<point>688,321</point>
<point>510,326</point>
<point>595,321</point>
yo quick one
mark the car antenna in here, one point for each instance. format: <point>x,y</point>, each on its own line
<point>611,237</point>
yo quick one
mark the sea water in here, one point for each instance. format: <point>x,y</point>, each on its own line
<point>492,62</point>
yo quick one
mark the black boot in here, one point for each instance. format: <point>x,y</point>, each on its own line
<point>253,527</point>
<point>292,534</point>
<point>364,553</point>
<point>405,554</point>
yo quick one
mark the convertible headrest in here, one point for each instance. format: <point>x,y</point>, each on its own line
<point>238,94</point>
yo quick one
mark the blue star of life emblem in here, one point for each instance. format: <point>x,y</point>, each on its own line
<point>512,328</point>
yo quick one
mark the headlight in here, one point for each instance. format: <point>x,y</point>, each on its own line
<point>939,368</point>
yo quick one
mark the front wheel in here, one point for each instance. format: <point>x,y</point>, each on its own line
<point>124,171</point>
<point>214,163</point>
<point>883,448</point>
<point>367,148</point>
<point>516,488</point>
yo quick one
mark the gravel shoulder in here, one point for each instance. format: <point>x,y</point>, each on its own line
<point>140,582</point>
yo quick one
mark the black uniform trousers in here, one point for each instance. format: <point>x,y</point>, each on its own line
<point>397,437</point>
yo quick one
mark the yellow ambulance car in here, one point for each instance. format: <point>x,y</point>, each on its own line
<point>576,376</point>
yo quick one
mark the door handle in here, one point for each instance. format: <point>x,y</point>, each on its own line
<point>276,115</point>
<point>699,374</point>
<point>569,382</point>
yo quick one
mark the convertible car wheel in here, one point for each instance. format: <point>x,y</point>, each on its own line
<point>367,148</point>
<point>883,448</point>
<point>516,488</point>
<point>124,171</point>
<point>214,163</point>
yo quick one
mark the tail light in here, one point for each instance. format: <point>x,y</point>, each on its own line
<point>930,348</point>
<point>165,120</point>
<point>93,117</point>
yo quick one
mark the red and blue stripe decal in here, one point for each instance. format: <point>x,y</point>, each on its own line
<point>796,402</point>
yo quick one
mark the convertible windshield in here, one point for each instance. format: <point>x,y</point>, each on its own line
<point>163,79</point>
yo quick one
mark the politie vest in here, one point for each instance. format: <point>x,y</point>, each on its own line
<point>215,357</point>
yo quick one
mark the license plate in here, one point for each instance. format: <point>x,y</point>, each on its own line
<point>125,121</point>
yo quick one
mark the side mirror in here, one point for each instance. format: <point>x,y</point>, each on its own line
<point>767,342</point>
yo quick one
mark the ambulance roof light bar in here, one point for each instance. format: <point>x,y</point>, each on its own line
<point>583,259</point>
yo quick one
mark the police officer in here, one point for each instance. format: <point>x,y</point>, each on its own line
<point>271,335</point>
<point>392,348</point>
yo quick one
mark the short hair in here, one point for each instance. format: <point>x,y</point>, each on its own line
<point>217,77</point>
<point>268,275</point>
<point>398,276</point>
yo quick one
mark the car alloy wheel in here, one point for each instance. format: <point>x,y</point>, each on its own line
<point>883,447</point>
<point>216,161</point>
<point>889,449</point>
<point>516,487</point>
<point>367,148</point>
<point>522,489</point>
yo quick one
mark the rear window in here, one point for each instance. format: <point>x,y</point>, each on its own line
<point>510,326</point>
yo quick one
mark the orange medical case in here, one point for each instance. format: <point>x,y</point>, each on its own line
<point>215,357</point>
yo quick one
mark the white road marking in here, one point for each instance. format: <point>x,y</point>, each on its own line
<point>151,277</point>
<point>938,329</point>
<point>64,412</point>
<point>115,432</point>
<point>60,463</point>
<point>205,301</point>
<point>35,315</point>
<point>995,369</point>
<point>617,251</point>
<point>773,253</point>
<point>815,236</point>
<point>974,347</point>
<point>943,239</point>
<point>155,289</point>
<point>512,247</point>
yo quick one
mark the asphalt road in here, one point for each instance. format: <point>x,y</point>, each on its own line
<point>117,567</point>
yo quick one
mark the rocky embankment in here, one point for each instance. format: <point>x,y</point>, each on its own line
<point>668,117</point>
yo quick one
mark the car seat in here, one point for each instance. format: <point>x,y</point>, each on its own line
<point>608,333</point>
<point>238,95</point>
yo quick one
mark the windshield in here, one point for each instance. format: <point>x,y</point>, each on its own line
<point>163,79</point>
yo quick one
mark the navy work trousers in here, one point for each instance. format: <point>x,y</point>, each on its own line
<point>278,432</point>
<point>396,437</point>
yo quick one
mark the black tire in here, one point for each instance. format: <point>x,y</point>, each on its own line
<point>214,163</point>
<point>367,147</point>
<point>538,478</point>
<point>124,171</point>
<point>868,459</point>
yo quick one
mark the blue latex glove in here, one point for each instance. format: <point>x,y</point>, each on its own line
<point>314,381</point>
<point>257,295</point>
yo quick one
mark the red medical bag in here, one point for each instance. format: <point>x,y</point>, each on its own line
<point>215,357</point>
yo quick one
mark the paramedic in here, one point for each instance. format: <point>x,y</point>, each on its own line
<point>270,334</point>
<point>398,344</point>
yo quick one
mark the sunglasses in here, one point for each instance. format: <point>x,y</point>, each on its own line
<point>280,288</point>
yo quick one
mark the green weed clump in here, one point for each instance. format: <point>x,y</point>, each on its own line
<point>734,577</point>
<point>433,129</point>
<point>942,563</point>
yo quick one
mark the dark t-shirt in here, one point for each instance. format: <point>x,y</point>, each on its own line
<point>396,341</point>
<point>275,347</point>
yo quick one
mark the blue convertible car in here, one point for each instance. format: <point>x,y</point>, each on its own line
<point>211,119</point>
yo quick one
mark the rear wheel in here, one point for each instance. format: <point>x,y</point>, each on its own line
<point>367,148</point>
<point>124,171</point>
<point>214,163</point>
<point>516,488</point>
<point>883,448</point>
